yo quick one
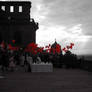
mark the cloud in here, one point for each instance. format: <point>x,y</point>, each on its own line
<point>69,12</point>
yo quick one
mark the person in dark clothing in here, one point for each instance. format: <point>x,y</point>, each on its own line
<point>5,60</point>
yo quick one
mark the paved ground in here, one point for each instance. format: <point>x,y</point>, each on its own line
<point>61,80</point>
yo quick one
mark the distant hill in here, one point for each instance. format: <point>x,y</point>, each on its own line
<point>86,57</point>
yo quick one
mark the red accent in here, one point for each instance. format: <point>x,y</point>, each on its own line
<point>40,49</point>
<point>64,49</point>
<point>13,41</point>
<point>58,48</point>
<point>72,44</point>
<point>68,47</point>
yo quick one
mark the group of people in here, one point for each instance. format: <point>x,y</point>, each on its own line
<point>10,59</point>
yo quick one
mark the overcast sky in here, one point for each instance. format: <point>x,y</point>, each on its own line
<point>66,21</point>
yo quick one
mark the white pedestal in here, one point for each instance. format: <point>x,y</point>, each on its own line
<point>42,67</point>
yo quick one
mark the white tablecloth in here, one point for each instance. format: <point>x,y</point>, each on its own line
<point>42,67</point>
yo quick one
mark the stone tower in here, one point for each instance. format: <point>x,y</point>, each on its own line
<point>16,22</point>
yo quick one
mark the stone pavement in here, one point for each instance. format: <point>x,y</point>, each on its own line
<point>60,80</point>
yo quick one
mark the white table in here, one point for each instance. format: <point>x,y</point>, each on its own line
<point>48,67</point>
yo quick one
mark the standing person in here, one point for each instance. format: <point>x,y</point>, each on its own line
<point>22,59</point>
<point>50,58</point>
<point>30,61</point>
<point>25,61</point>
<point>38,59</point>
<point>5,60</point>
<point>16,58</point>
<point>11,64</point>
